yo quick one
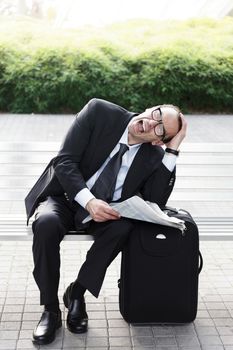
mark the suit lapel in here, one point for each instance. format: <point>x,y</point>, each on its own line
<point>109,137</point>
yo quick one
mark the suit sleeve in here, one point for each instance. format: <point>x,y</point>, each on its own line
<point>67,163</point>
<point>159,185</point>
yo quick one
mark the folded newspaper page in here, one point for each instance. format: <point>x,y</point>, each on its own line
<point>138,209</point>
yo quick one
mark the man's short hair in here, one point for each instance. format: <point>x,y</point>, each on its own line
<point>177,109</point>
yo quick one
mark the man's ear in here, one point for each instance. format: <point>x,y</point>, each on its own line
<point>158,143</point>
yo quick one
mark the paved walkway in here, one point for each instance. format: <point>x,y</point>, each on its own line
<point>212,329</point>
<point>19,309</point>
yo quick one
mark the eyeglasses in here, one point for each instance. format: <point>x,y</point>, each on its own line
<point>159,130</point>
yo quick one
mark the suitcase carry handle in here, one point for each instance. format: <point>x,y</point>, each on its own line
<point>166,207</point>
<point>200,262</point>
<point>174,210</point>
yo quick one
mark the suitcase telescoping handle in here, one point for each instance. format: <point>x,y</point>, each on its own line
<point>200,262</point>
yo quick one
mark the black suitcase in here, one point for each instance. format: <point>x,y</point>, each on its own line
<point>159,272</point>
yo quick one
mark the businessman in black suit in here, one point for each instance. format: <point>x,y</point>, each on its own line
<point>70,188</point>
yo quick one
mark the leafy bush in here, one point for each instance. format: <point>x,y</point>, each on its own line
<point>136,64</point>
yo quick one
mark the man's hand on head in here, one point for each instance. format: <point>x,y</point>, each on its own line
<point>179,137</point>
<point>101,211</point>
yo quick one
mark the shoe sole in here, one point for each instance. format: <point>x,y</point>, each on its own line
<point>48,341</point>
<point>75,331</point>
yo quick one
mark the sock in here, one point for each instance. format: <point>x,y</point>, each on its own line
<point>54,307</point>
<point>77,290</point>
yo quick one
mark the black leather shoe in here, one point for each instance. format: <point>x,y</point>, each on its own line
<point>77,319</point>
<point>45,331</point>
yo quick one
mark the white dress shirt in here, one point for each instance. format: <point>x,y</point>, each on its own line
<point>83,196</point>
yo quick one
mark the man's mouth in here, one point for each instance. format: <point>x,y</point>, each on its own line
<point>140,127</point>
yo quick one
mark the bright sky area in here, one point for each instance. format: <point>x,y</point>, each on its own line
<point>100,12</point>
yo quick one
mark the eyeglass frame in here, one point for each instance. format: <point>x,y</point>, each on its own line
<point>160,121</point>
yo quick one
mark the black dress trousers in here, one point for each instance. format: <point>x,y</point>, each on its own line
<point>54,217</point>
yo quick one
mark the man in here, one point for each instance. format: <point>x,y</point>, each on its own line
<point>109,154</point>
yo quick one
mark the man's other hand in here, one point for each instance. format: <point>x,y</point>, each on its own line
<point>101,211</point>
<point>178,138</point>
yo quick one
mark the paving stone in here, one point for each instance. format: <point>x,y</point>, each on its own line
<point>96,315</point>
<point>56,344</point>
<point>98,332</point>
<point>228,322</point>
<point>117,323</point>
<point>213,347</point>
<point>7,344</point>
<point>120,341</point>
<point>225,330</point>
<point>219,313</point>
<point>141,331</point>
<point>114,315</point>
<point>210,340</point>
<point>203,314</point>
<point>8,334</point>
<point>10,326</point>
<point>97,323</point>
<point>13,308</point>
<point>184,329</point>
<point>143,341</point>
<point>164,347</point>
<point>118,332</point>
<point>165,341</point>
<point>33,308</point>
<point>34,301</point>
<point>26,344</point>
<point>2,300</point>
<point>214,298</point>
<point>70,340</point>
<point>100,341</point>
<point>147,348</point>
<point>14,301</point>
<point>203,322</point>
<point>112,306</point>
<point>215,306</point>
<point>8,317</point>
<point>227,339</point>
<point>206,331</point>
<point>95,348</point>
<point>29,324</point>
<point>187,340</point>
<point>95,307</point>
<point>31,316</point>
<point>111,299</point>
<point>25,334</point>
<point>117,348</point>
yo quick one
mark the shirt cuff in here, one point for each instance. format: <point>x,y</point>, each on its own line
<point>169,160</point>
<point>83,197</point>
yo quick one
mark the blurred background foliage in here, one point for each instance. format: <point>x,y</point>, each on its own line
<point>136,64</point>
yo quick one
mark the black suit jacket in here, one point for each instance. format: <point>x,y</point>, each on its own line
<point>94,133</point>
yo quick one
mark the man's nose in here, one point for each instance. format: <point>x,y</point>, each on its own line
<point>152,123</point>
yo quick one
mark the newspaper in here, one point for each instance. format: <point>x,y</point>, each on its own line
<point>138,209</point>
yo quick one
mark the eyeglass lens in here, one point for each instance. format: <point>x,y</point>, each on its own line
<point>159,129</point>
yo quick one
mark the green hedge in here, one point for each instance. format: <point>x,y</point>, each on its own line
<point>61,78</point>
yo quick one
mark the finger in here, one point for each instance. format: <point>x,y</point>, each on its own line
<point>111,211</point>
<point>184,122</point>
<point>110,216</point>
<point>106,213</point>
<point>105,217</point>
